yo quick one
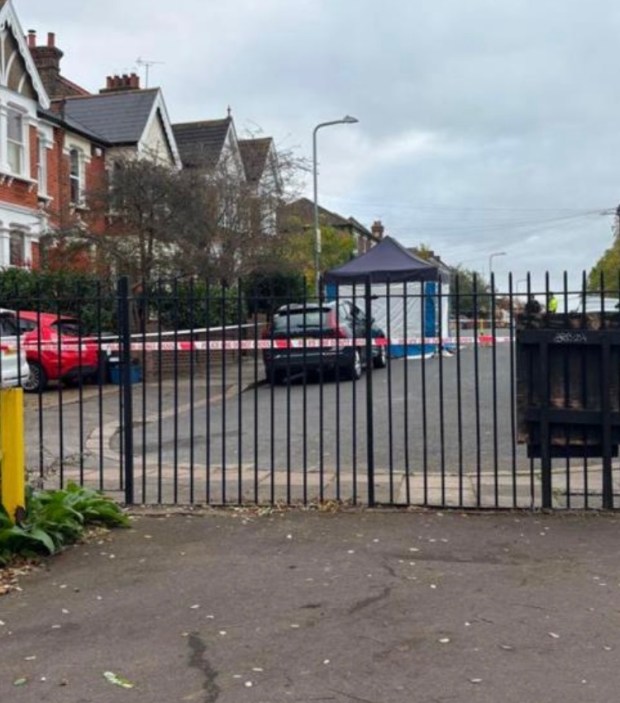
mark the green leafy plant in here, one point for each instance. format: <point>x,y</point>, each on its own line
<point>54,519</point>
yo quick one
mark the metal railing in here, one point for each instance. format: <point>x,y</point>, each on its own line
<point>180,409</point>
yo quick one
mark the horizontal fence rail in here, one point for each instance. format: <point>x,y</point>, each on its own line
<point>399,394</point>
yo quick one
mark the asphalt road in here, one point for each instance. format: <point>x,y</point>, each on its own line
<point>442,414</point>
<point>234,437</point>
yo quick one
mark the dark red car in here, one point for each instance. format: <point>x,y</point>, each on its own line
<point>55,350</point>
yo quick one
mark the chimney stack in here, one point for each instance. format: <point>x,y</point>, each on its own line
<point>115,84</point>
<point>377,229</point>
<point>47,60</point>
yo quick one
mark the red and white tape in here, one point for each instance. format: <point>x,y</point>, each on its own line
<point>251,344</point>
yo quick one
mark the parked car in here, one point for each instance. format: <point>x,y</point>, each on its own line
<point>299,323</point>
<point>56,350</point>
<point>13,363</point>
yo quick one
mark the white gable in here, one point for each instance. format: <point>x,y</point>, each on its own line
<point>14,53</point>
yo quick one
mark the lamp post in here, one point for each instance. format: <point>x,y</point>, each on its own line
<point>491,257</point>
<point>347,119</point>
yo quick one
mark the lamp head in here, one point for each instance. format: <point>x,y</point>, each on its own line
<point>347,119</point>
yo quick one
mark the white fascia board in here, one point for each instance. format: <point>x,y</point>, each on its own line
<point>231,148</point>
<point>9,17</point>
<point>159,106</point>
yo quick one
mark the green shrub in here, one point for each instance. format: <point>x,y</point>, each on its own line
<point>54,519</point>
<point>265,292</point>
<point>171,304</point>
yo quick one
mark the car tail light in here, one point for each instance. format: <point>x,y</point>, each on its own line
<point>340,332</point>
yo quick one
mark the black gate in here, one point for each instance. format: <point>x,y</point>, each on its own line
<point>184,407</point>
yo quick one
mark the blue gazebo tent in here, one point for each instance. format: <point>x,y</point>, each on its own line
<point>410,296</point>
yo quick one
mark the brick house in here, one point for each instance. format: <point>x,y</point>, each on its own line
<point>298,216</point>
<point>46,161</point>
<point>88,134</point>
<point>29,148</point>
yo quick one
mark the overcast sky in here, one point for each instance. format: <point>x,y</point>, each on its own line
<point>484,126</point>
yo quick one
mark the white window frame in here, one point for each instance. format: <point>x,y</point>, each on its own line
<point>76,179</point>
<point>42,173</point>
<point>19,144</point>
<point>14,233</point>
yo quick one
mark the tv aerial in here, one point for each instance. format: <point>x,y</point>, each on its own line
<point>147,65</point>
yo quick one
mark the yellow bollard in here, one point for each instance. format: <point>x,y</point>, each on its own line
<point>12,457</point>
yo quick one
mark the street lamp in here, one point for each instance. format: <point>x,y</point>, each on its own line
<point>347,119</point>
<point>491,257</point>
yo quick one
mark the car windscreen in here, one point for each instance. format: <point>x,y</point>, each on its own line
<point>301,319</point>
<point>68,328</point>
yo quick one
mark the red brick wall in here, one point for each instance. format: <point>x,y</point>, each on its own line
<point>35,261</point>
<point>34,153</point>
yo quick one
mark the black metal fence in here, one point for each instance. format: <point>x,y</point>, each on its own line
<point>192,393</point>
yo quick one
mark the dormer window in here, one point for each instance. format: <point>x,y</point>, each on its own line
<point>15,141</point>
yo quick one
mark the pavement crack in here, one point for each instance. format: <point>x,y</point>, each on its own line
<point>352,697</point>
<point>365,602</point>
<point>198,661</point>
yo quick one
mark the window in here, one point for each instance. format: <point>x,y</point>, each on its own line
<point>75,176</point>
<point>15,143</point>
<point>7,326</point>
<point>16,256</point>
<point>42,166</point>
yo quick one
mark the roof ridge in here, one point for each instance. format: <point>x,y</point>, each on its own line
<point>107,95</point>
<point>197,123</point>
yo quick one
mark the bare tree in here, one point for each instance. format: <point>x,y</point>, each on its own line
<point>148,220</point>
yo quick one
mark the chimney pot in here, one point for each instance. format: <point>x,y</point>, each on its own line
<point>51,39</point>
<point>32,38</point>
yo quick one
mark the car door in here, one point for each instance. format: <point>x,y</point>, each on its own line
<point>13,364</point>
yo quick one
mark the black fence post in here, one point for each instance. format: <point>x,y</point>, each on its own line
<point>370,438</point>
<point>126,387</point>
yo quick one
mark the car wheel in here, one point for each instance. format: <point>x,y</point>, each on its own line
<point>274,377</point>
<point>36,381</point>
<point>380,361</point>
<point>355,371</point>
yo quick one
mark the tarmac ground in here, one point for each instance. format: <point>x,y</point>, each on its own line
<point>256,605</point>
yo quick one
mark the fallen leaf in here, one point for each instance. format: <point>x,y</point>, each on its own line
<point>113,678</point>
<point>20,682</point>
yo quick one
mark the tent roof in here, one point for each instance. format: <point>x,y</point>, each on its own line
<point>387,261</point>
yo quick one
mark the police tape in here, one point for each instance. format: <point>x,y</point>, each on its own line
<point>83,346</point>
